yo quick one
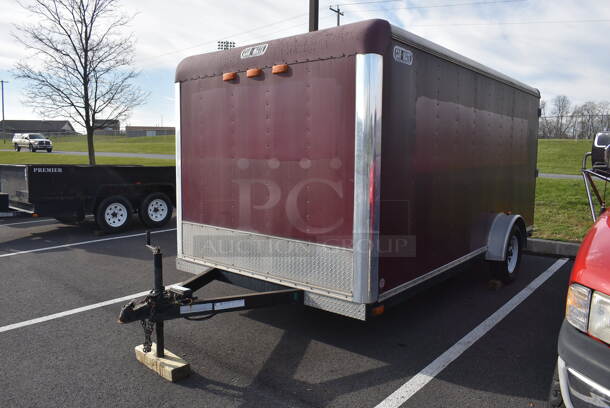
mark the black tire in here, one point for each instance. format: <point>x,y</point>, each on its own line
<point>508,270</point>
<point>555,397</point>
<point>114,214</point>
<point>17,147</point>
<point>32,149</point>
<point>155,210</point>
<point>49,150</point>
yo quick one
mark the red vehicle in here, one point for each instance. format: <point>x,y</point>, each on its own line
<point>582,374</point>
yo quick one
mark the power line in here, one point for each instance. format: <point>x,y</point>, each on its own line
<point>513,23</point>
<point>225,36</point>
<point>474,3</point>
<point>371,2</point>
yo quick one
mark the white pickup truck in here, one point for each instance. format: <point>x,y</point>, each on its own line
<point>32,141</point>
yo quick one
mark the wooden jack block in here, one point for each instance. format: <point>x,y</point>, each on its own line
<point>171,367</point>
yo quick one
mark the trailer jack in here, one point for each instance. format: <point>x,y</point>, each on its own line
<point>178,301</point>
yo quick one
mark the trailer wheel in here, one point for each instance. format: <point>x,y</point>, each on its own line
<point>507,270</point>
<point>17,147</point>
<point>32,149</point>
<point>155,210</point>
<point>114,214</point>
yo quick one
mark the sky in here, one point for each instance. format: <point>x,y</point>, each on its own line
<point>561,47</point>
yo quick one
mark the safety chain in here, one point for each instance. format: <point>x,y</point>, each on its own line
<point>148,326</point>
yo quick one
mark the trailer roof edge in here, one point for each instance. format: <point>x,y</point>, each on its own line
<point>428,46</point>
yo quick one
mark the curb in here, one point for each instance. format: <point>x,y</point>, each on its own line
<point>549,247</point>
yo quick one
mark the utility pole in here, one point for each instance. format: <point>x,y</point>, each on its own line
<point>314,7</point>
<point>339,14</point>
<point>3,134</point>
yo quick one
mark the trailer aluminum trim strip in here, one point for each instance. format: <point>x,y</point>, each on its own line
<point>178,171</point>
<point>367,167</point>
<point>431,274</point>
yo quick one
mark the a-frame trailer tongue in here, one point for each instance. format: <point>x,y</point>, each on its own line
<point>178,301</point>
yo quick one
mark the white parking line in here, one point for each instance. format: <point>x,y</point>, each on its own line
<point>27,222</point>
<point>70,312</point>
<point>93,241</point>
<point>417,382</point>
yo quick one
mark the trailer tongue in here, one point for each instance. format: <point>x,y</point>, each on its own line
<point>178,301</point>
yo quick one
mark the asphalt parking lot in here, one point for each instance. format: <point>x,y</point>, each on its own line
<point>288,356</point>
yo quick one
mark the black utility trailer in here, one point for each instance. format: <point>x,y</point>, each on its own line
<point>111,193</point>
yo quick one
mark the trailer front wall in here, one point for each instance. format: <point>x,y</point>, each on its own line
<point>458,147</point>
<point>268,173</point>
<point>272,155</point>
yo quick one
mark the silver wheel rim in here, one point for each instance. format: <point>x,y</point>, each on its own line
<point>116,215</point>
<point>157,210</point>
<point>512,254</point>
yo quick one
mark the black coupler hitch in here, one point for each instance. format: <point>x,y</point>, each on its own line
<point>177,301</point>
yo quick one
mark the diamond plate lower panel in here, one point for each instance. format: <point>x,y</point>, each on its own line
<point>323,267</point>
<point>342,307</point>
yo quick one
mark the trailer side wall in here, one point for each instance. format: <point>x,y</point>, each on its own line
<point>458,147</point>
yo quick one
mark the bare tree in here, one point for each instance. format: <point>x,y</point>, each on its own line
<point>544,126</point>
<point>82,68</point>
<point>561,111</point>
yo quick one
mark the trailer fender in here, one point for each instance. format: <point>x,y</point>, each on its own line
<point>499,233</point>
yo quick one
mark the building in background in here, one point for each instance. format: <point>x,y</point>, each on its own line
<point>107,127</point>
<point>46,127</point>
<point>135,131</point>
<point>108,124</point>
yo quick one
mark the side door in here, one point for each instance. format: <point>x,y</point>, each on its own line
<point>24,141</point>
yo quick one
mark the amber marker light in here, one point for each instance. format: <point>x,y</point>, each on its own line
<point>378,310</point>
<point>279,69</point>
<point>253,72</point>
<point>229,76</point>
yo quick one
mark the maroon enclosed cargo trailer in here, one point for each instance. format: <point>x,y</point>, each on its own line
<point>353,163</point>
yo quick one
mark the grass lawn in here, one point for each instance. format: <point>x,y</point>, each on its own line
<point>145,144</point>
<point>562,211</point>
<point>562,156</point>
<point>45,158</point>
<point>554,155</point>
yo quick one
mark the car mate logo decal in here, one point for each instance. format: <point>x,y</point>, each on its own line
<point>255,51</point>
<point>403,55</point>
